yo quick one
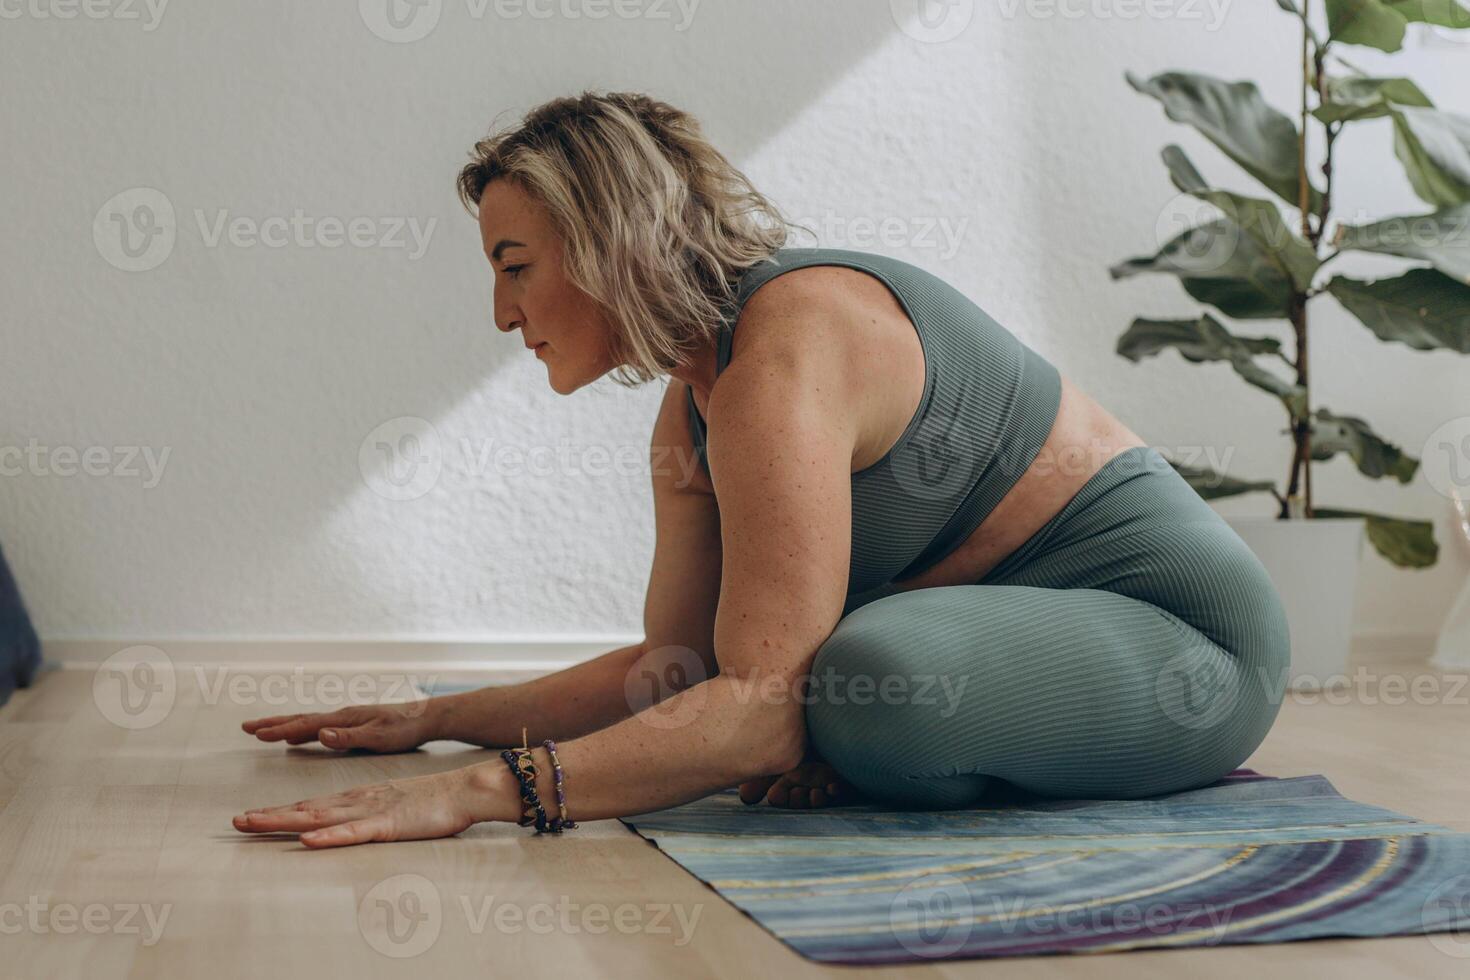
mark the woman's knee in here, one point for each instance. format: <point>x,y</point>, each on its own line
<point>874,706</point>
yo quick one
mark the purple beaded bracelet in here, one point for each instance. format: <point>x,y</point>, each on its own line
<point>560,822</point>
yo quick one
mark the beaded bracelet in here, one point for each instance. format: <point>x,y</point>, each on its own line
<point>530,803</point>
<point>523,767</point>
<point>560,822</point>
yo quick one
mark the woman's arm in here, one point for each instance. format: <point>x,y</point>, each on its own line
<point>781,436</point>
<point>677,650</point>
<point>678,617</point>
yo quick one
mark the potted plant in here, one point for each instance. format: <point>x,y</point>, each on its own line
<point>1251,260</point>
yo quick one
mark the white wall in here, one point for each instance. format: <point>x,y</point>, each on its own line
<point>262,371</point>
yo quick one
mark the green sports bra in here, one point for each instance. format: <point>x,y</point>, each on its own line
<point>988,405</point>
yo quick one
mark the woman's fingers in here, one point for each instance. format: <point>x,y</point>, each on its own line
<point>296,821</point>
<point>297,729</point>
<point>255,724</point>
<point>375,828</point>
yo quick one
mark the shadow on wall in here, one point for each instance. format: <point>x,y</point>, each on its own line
<point>190,300</point>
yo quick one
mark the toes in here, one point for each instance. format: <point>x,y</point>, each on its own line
<point>753,791</point>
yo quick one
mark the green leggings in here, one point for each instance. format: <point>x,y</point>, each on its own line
<point>1132,646</point>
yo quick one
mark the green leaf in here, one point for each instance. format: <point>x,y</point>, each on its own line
<point>1212,485</point>
<point>1381,23</point>
<point>1355,97</point>
<point>1434,148</point>
<point>1445,13</point>
<point>1375,456</point>
<point>1259,219</point>
<point>1368,22</point>
<point>1217,264</point>
<point>1406,543</point>
<point>1207,339</point>
<point>1421,308</point>
<point>1234,117</point>
<point>1441,239</point>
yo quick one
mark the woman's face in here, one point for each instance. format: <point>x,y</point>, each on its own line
<point>565,327</point>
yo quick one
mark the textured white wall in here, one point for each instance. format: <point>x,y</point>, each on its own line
<point>292,311</point>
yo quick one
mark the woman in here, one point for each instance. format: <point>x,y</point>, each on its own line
<point>899,556</point>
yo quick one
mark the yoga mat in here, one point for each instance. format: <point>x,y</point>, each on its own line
<point>1249,859</point>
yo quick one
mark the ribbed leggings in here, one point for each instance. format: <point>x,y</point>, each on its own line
<point>1132,646</point>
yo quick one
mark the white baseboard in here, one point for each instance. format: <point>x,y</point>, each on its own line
<point>1388,645</point>
<point>506,654</point>
<point>511,653</point>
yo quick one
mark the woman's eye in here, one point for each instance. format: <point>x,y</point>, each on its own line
<point>514,271</point>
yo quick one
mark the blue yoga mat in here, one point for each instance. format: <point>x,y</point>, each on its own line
<point>1249,859</point>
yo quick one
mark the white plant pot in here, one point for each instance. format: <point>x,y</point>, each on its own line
<point>1314,566</point>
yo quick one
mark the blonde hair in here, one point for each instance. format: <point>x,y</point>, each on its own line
<point>657,224</point>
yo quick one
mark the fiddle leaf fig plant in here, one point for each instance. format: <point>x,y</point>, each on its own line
<point>1254,261</point>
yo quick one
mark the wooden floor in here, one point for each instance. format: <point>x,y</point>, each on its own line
<point>117,858</point>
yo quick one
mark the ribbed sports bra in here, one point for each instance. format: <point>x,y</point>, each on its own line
<point>988,405</point>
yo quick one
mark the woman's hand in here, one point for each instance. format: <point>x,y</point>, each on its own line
<point>424,807</point>
<point>375,727</point>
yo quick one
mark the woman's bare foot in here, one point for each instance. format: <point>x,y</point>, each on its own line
<point>809,786</point>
